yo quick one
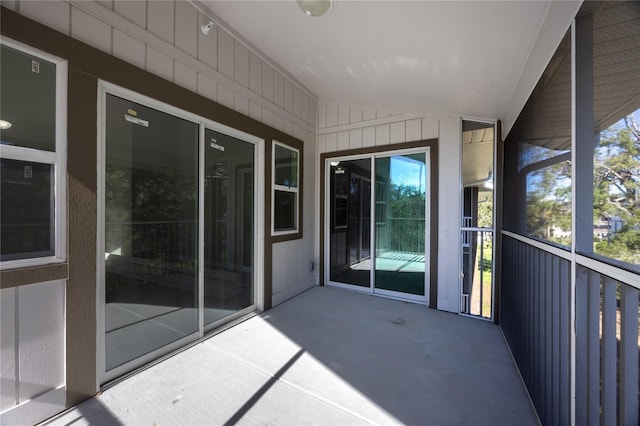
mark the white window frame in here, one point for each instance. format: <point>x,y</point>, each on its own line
<point>58,159</point>
<point>259,229</point>
<point>284,188</point>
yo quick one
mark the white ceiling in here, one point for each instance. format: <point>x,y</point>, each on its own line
<point>462,57</point>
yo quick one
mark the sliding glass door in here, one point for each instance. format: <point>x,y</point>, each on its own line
<point>151,223</point>
<point>228,225</point>
<point>401,223</point>
<point>178,209</point>
<point>377,223</point>
<point>350,228</point>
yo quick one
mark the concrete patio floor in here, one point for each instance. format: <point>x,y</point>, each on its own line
<point>327,356</point>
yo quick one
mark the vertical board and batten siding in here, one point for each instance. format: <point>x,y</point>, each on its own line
<point>32,348</point>
<point>164,38</point>
<point>535,318</point>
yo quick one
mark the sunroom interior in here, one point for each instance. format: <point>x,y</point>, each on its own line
<point>174,171</point>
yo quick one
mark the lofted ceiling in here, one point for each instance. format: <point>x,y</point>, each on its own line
<point>460,57</point>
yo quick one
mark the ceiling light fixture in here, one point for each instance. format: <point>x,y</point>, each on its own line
<point>315,7</point>
<point>4,125</point>
<point>205,28</point>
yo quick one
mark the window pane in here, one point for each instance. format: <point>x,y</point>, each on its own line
<point>350,233</point>
<point>151,211</point>
<point>400,236</point>
<point>537,181</point>
<point>28,101</point>
<point>285,210</point>
<point>286,166</point>
<point>26,208</point>
<point>616,90</point>
<point>228,225</point>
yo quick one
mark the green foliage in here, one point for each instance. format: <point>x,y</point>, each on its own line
<point>549,202</point>
<point>616,188</point>
<point>407,201</point>
<point>485,212</point>
<point>623,246</point>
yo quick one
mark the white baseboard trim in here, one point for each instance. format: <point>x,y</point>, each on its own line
<point>36,409</point>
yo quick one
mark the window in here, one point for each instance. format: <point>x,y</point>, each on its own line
<point>285,203</point>
<point>32,156</point>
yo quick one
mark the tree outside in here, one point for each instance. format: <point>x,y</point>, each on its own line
<point>616,190</point>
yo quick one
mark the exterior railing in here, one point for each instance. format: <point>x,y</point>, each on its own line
<point>607,349</point>
<point>540,310</point>
<point>477,272</point>
<point>406,234</point>
<point>535,317</point>
<point>160,246</point>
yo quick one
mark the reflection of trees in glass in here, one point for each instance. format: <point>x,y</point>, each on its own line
<point>616,189</point>
<point>407,201</point>
<point>549,203</point>
<point>407,213</point>
<point>151,215</point>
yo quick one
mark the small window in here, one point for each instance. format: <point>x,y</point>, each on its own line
<point>285,189</point>
<point>32,156</point>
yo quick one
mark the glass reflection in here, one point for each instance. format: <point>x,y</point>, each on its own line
<point>26,209</point>
<point>350,227</point>
<point>400,193</point>
<point>28,101</point>
<point>228,226</point>
<point>151,228</point>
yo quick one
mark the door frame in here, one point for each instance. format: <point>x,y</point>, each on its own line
<point>158,355</point>
<point>495,124</point>
<point>431,239</point>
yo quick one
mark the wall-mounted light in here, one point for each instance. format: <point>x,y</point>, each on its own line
<point>206,28</point>
<point>315,7</point>
<point>4,125</point>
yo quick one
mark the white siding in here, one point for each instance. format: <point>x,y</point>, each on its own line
<point>160,19</point>
<point>128,48</point>
<point>185,76</point>
<point>241,64</point>
<point>8,396</point>
<point>160,64</point>
<point>226,54</point>
<point>135,11</point>
<point>207,44</point>
<point>187,29</point>
<point>91,30</point>
<point>32,343</point>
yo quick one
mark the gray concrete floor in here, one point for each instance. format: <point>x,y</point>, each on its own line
<point>328,356</point>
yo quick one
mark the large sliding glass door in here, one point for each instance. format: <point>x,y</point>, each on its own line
<point>178,205</point>
<point>377,223</point>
